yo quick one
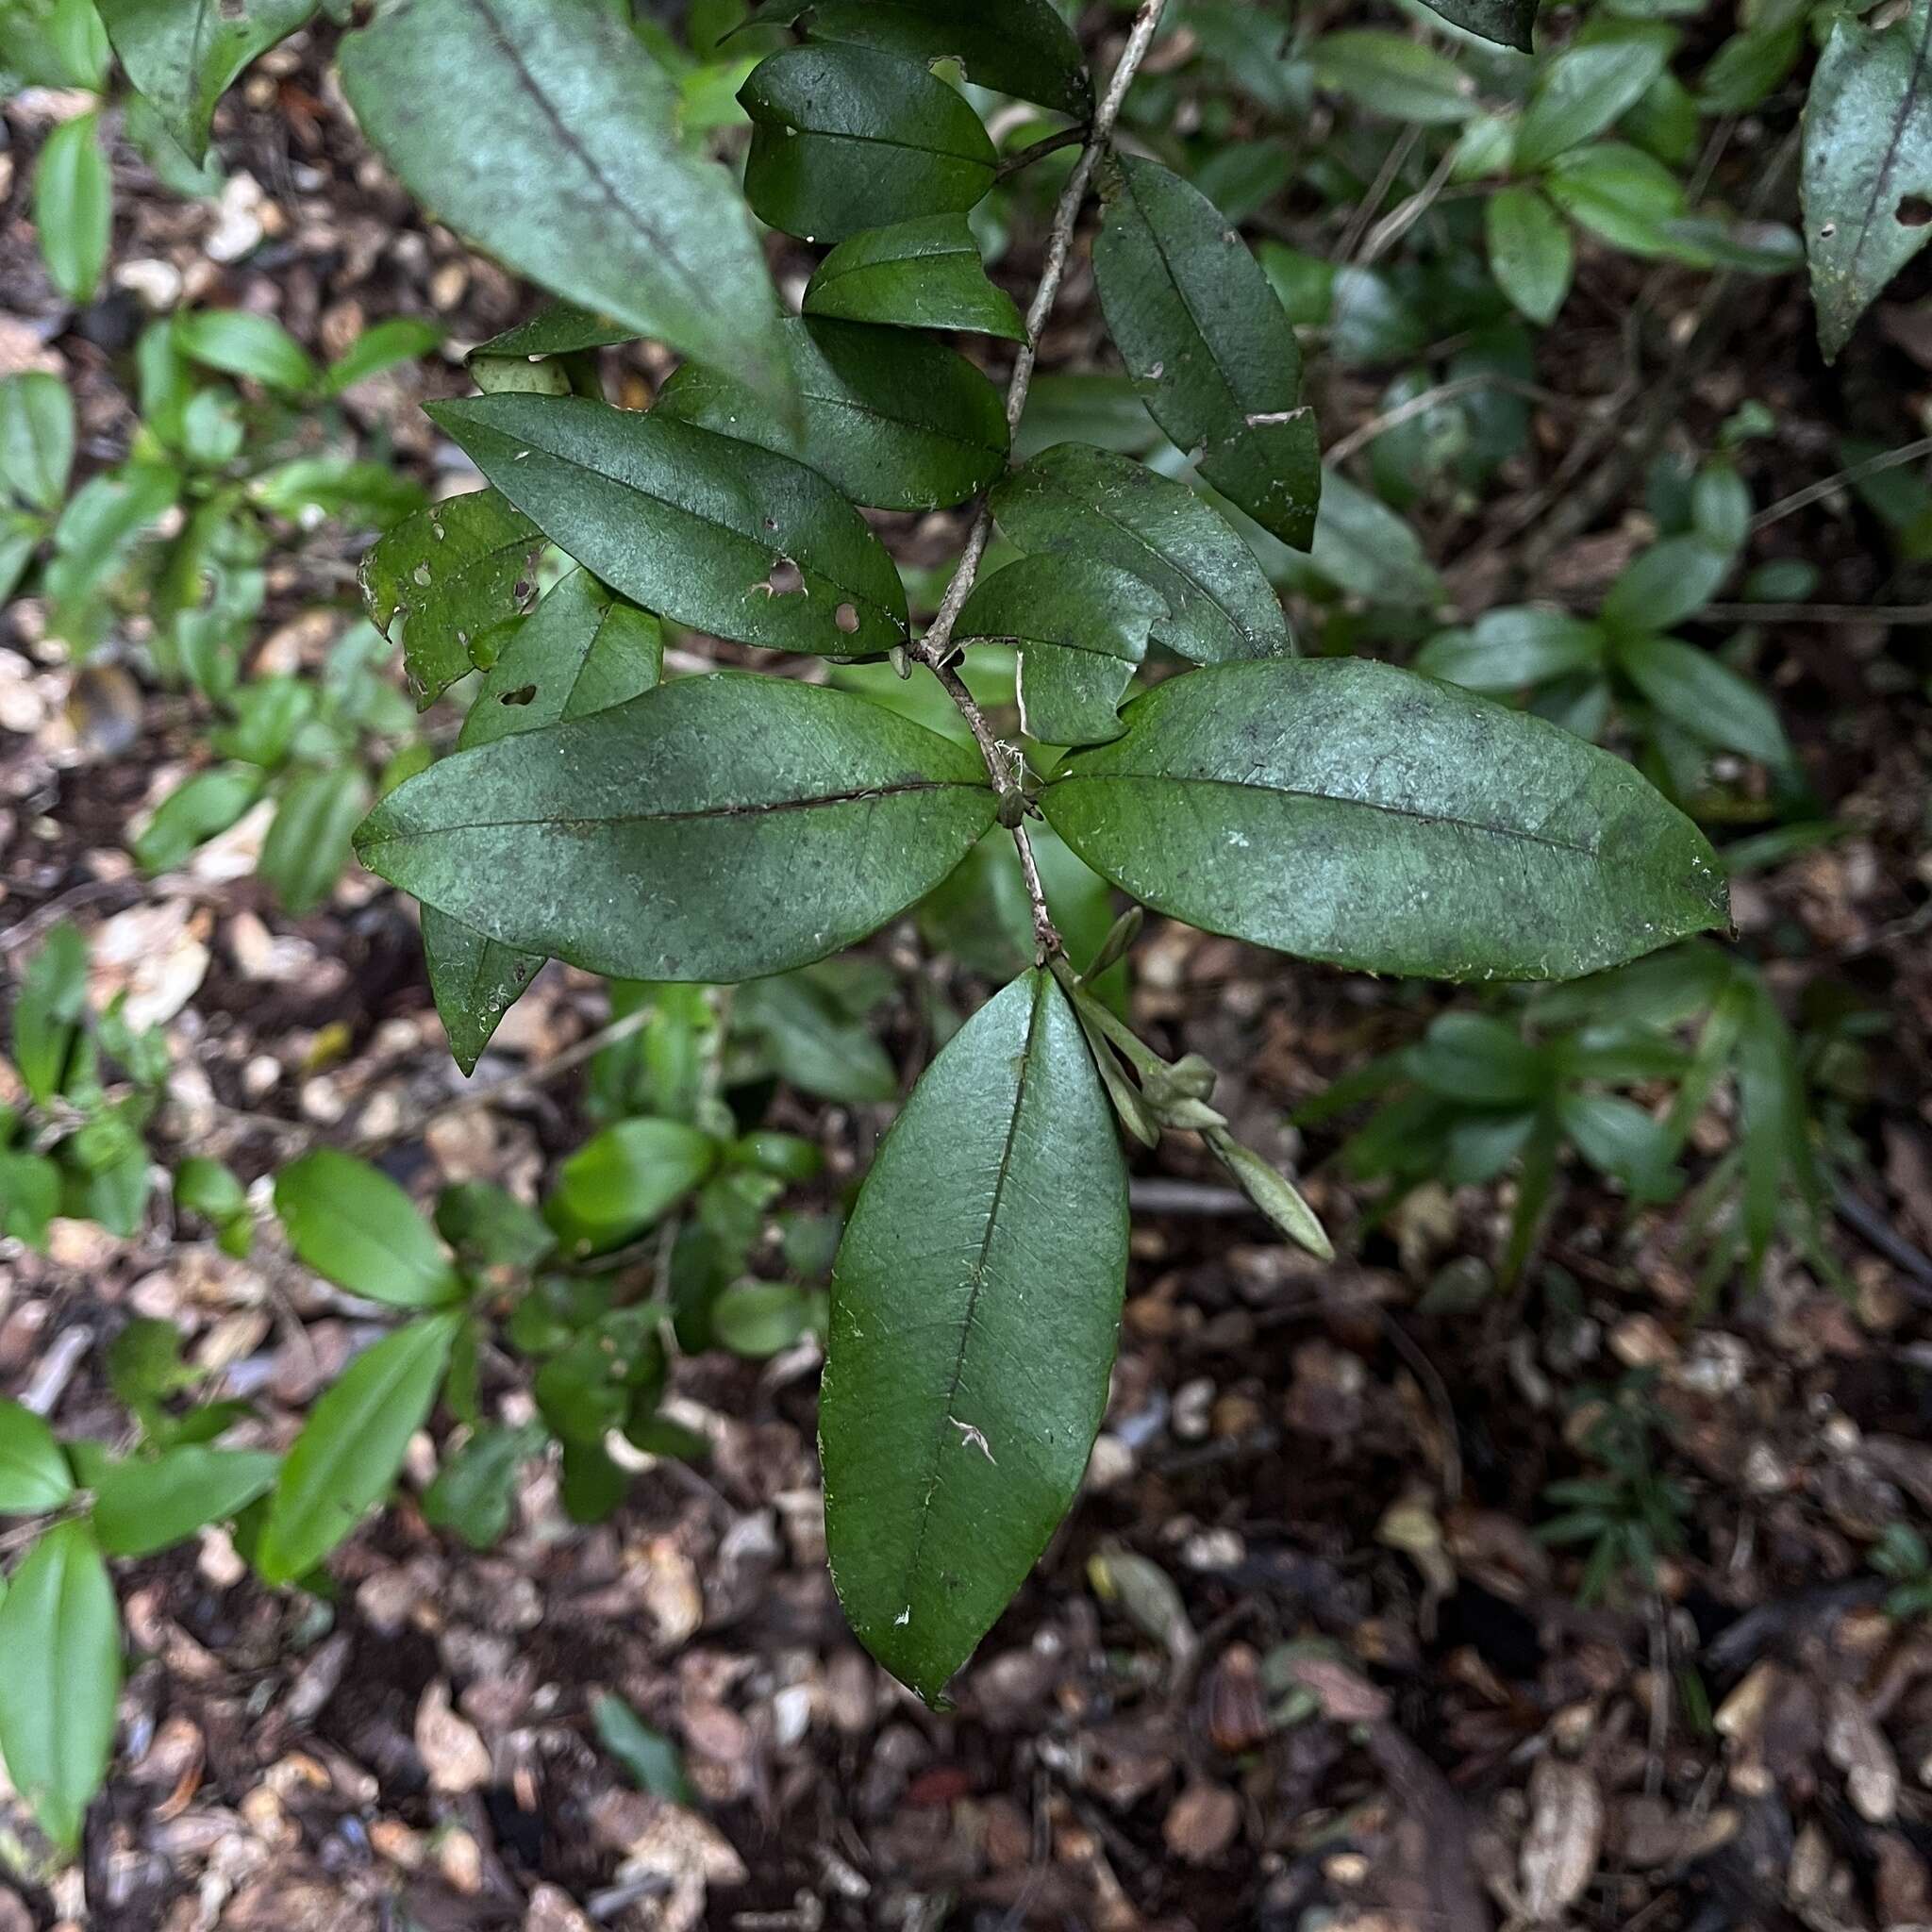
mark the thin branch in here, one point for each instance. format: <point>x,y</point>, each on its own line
<point>1899,614</point>
<point>1800,499</point>
<point>1067,137</point>
<point>935,649</point>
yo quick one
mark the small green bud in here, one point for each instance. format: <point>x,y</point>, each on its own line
<point>1113,948</point>
<point>1272,1195</point>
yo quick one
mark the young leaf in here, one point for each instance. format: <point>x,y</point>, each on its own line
<point>142,1505</point>
<point>307,843</point>
<point>34,1476</point>
<point>1347,811</point>
<point>239,343</point>
<point>1664,585</point>
<point>36,439</point>
<point>1606,70</point>
<point>74,206</point>
<point>1622,193</point>
<point>713,533</point>
<point>716,828</point>
<point>1388,73</point>
<point>60,1634</point>
<point>453,574</point>
<point>1080,628</point>
<point>624,1180</point>
<point>975,1304</point>
<point>1012,46</point>
<point>1209,345</point>
<point>353,1224</point>
<point>1702,695</point>
<point>845,139</point>
<point>1506,650</point>
<point>196,811</point>
<point>475,1492</point>
<point>543,131</point>
<point>1531,253</point>
<point>922,274</point>
<point>1509,23</point>
<point>1073,500</point>
<point>183,54</point>
<point>51,1004</point>
<point>890,418</point>
<point>1868,162</point>
<point>651,1760</point>
<point>351,1447</point>
<point>402,338</point>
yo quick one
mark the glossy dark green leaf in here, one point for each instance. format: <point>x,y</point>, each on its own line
<point>1348,811</point>
<point>975,1304</point>
<point>1080,628</point>
<point>73,206</point>
<point>1606,70</point>
<point>624,1180</point>
<point>1073,500</point>
<point>36,440</point>
<point>1702,695</point>
<point>33,1472</point>
<point>1868,161</point>
<point>1509,23</point>
<point>352,1445</point>
<point>1531,253</point>
<point>543,131</point>
<point>1506,650</point>
<point>60,1634</point>
<point>717,828</point>
<point>308,843</point>
<point>143,1504</point>
<point>1208,345</point>
<point>559,330</point>
<point>922,274</point>
<point>711,532</point>
<point>184,54</point>
<point>844,139</point>
<point>348,1220</point>
<point>451,575</point>
<point>890,418</point>
<point>1012,46</point>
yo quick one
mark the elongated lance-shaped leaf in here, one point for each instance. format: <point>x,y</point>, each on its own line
<point>183,54</point>
<point>1209,345</point>
<point>708,531</point>
<point>845,139</point>
<point>60,1634</point>
<point>1509,23</point>
<point>922,274</point>
<point>1867,175</point>
<point>143,1504</point>
<point>888,417</point>
<point>1348,811</point>
<point>559,330</point>
<point>716,828</point>
<point>582,650</point>
<point>451,576</point>
<point>1012,46</point>
<point>1073,500</point>
<point>543,131</point>
<point>976,1305</point>
<point>1080,628</point>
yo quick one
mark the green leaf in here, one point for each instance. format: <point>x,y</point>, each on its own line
<point>1080,628</point>
<point>1388,73</point>
<point>845,139</point>
<point>402,338</point>
<point>307,843</point>
<point>1012,46</point>
<point>100,526</point>
<point>350,1449</point>
<point>713,533</point>
<point>60,1634</point>
<point>36,439</point>
<point>558,331</point>
<point>212,1190</point>
<point>1664,585</point>
<point>1531,253</point>
<point>1702,695</point>
<point>1347,811</point>
<point>142,1505</point>
<point>890,418</point>
<point>650,1759</point>
<point>1618,192</point>
<point>925,273</point>
<point>353,1226</point>
<point>551,140</point>
<point>239,342</point>
<point>1606,70</point>
<point>1509,23</point>
<point>1619,1139</point>
<point>624,1180</point>
<point>1084,502</point>
<point>338,486</point>
<point>976,1305</point>
<point>453,574</point>
<point>33,1472</point>
<point>51,1004</point>
<point>201,808</point>
<point>183,55</point>
<point>1479,1060</point>
<point>1363,547</point>
<point>1208,345</point>
<point>475,1492</point>
<point>811,1043</point>
<point>1868,162</point>
<point>1506,650</point>
<point>759,1319</point>
<point>29,1197</point>
<point>716,828</point>
<point>74,206</point>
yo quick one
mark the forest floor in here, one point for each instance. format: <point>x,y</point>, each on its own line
<point>1297,1659</point>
